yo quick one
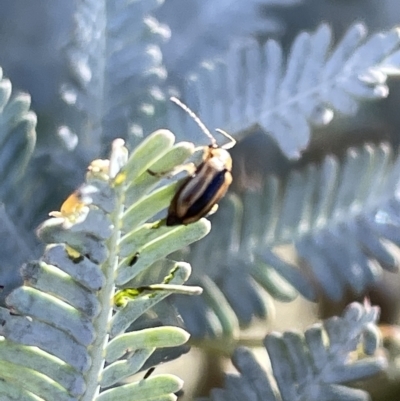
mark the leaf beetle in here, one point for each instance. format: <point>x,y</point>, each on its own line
<point>208,181</point>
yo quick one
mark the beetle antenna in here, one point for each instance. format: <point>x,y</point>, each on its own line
<point>195,118</point>
<point>232,142</point>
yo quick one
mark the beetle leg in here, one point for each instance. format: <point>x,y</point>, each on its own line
<point>189,167</point>
<point>212,211</point>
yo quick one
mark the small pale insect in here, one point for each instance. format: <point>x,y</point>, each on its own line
<point>207,184</point>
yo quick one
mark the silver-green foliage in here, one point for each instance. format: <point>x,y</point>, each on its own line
<point>115,70</point>
<point>17,142</point>
<point>254,84</point>
<point>65,305</point>
<point>326,211</point>
<point>338,220</point>
<point>310,366</point>
<point>345,223</point>
<point>189,46</point>
<point>63,337</point>
<point>17,135</point>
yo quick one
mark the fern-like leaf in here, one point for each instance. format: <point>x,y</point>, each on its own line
<point>217,26</point>
<point>342,219</point>
<point>254,85</point>
<point>336,223</point>
<point>17,135</point>
<point>17,142</point>
<point>116,69</point>
<point>71,331</point>
<point>310,366</point>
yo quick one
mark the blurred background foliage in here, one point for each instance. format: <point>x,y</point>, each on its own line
<point>95,72</point>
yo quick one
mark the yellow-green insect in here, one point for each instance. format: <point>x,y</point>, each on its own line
<point>208,182</point>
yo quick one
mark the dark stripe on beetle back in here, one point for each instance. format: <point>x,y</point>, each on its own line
<point>207,196</point>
